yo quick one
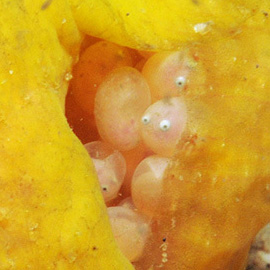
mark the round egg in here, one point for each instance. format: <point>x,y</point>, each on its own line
<point>110,166</point>
<point>162,125</point>
<point>120,101</point>
<point>146,185</point>
<point>168,73</point>
<point>131,231</point>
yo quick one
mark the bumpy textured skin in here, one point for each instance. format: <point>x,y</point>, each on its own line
<point>155,25</point>
<point>52,214</point>
<point>217,191</point>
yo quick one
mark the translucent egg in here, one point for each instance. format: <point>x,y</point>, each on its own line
<point>167,73</point>
<point>97,61</point>
<point>133,158</point>
<point>146,185</point>
<point>120,102</point>
<point>131,231</point>
<point>162,125</point>
<point>110,167</point>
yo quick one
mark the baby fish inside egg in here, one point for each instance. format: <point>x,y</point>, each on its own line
<point>137,138</point>
<point>146,187</point>
<point>162,125</point>
<point>110,166</point>
<point>131,231</point>
<point>120,101</point>
<point>167,73</point>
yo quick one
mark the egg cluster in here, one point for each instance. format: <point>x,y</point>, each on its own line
<point>136,101</point>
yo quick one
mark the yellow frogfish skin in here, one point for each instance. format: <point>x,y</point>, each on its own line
<point>217,190</point>
<point>52,215</point>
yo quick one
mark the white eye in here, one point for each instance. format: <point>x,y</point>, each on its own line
<point>146,119</point>
<point>165,125</point>
<point>180,81</point>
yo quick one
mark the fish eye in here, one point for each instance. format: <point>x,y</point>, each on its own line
<point>180,81</point>
<point>146,119</point>
<point>104,188</point>
<point>165,125</point>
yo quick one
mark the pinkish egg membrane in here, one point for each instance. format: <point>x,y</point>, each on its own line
<point>147,185</point>
<point>162,125</point>
<point>110,166</point>
<point>167,73</point>
<point>120,101</point>
<point>131,231</point>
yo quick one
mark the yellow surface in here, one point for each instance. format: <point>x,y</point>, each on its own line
<point>52,214</point>
<point>51,211</point>
<point>218,189</point>
<point>162,24</point>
